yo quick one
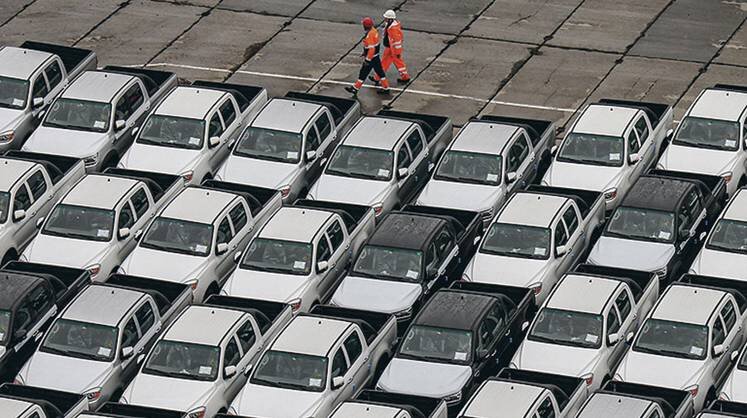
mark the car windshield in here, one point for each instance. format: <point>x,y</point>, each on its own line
<point>183,360</point>
<point>513,240</point>
<point>81,339</point>
<point>361,162</point>
<point>278,256</point>
<point>291,371</point>
<point>173,132</point>
<point>390,263</point>
<point>673,339</point>
<point>80,222</point>
<point>13,93</point>
<point>269,144</point>
<point>83,115</point>
<point>642,224</point>
<point>470,167</point>
<point>708,133</point>
<point>4,201</point>
<point>558,326</point>
<point>437,344</point>
<point>730,236</point>
<point>592,149</point>
<point>4,326</point>
<point>179,236</point>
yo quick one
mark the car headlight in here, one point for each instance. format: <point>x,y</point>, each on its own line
<point>404,314</point>
<point>7,136</point>
<point>197,413</point>
<point>91,160</point>
<point>661,273</point>
<point>610,194</point>
<point>454,398</point>
<point>94,269</point>
<point>727,176</point>
<point>93,394</point>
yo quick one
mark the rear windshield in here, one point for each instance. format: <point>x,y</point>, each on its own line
<point>521,241</point>
<point>4,201</point>
<point>278,256</point>
<point>173,132</point>
<point>82,115</point>
<point>269,144</point>
<point>642,224</point>
<point>708,133</point>
<point>13,93</point>
<point>179,236</point>
<point>470,167</point>
<point>730,236</point>
<point>291,371</point>
<point>437,344</point>
<point>182,360</point>
<point>80,222</point>
<point>390,263</point>
<point>592,149</point>
<point>82,340</point>
<point>673,339</point>
<point>578,329</point>
<point>361,162</point>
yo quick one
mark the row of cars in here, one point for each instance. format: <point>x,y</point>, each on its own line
<point>313,278</point>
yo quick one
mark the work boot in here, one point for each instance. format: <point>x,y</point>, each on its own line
<point>352,90</point>
<point>374,80</point>
<point>403,80</point>
<point>383,92</point>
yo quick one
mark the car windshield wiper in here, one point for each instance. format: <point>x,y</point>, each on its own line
<point>678,354</point>
<point>258,156</point>
<point>69,235</point>
<point>55,350</point>
<point>266,268</point>
<point>543,339</point>
<point>727,249</point>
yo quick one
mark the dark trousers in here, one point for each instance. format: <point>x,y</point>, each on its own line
<point>374,64</point>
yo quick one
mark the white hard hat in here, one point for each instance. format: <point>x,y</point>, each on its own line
<point>389,14</point>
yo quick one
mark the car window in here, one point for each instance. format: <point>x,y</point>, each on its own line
<point>129,102</point>
<point>322,250</point>
<point>691,209</point>
<point>613,321</point>
<point>444,243</point>
<point>246,336</point>
<point>238,217</point>
<point>216,126</point>
<point>729,315</point>
<point>232,355</point>
<point>339,364</point>
<point>34,415</point>
<point>545,409</point>
<point>718,334</point>
<point>37,184</point>
<point>228,111</point>
<point>22,200</point>
<point>145,317</point>
<point>633,145</point>
<point>403,157</point>
<point>415,141</point>
<point>642,129</point>
<point>430,255</point>
<point>336,236</point>
<point>561,235</point>
<point>224,232</point>
<point>489,328</point>
<point>324,125</point>
<point>54,74</point>
<point>40,87</point>
<point>126,217</point>
<point>39,301</point>
<point>22,316</point>
<point>312,139</point>
<point>140,202</point>
<point>571,219</point>
<point>655,414</point>
<point>129,335</point>
<point>353,346</point>
<point>623,304</point>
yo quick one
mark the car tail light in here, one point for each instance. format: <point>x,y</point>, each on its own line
<point>187,175</point>
<point>93,395</point>
<point>295,304</point>
<point>94,269</point>
<point>589,378</point>
<point>693,390</point>
<point>378,208</point>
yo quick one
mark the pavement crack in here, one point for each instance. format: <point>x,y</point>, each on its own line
<point>25,6</point>
<point>104,20</point>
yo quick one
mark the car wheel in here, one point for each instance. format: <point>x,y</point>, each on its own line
<point>9,256</point>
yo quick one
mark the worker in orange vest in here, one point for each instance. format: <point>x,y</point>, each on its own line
<point>372,60</point>
<point>393,48</point>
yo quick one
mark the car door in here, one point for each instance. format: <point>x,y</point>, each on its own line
<point>628,323</point>
<point>546,409</point>
<point>446,252</point>
<point>37,187</point>
<point>690,215</point>
<point>519,158</point>
<point>732,340</point>
<point>232,356</point>
<point>647,152</point>
<point>406,186</point>
<point>324,279</point>
<point>313,166</point>
<point>53,73</point>
<point>612,325</point>
<point>340,367</point>
<point>224,234</point>
<point>23,200</point>
<point>241,226</point>
<point>576,236</point>
<point>340,255</point>
<point>124,244</point>
<point>360,365</point>
<point>228,114</point>
<point>40,90</point>
<point>131,337</point>
<point>560,238</point>
<point>419,151</point>
<point>40,309</point>
<point>719,335</point>
<point>130,108</point>
<point>491,347</point>
<point>327,140</point>
<point>215,128</point>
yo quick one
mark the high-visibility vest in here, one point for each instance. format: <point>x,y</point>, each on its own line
<point>371,43</point>
<point>393,36</point>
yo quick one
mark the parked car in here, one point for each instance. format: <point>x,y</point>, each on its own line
<point>580,329</point>
<point>99,220</point>
<point>92,345</point>
<point>537,237</point>
<point>289,141</point>
<point>191,132</point>
<point>490,158</point>
<point>376,404</point>
<point>118,410</point>
<point>33,75</point>
<point>661,223</point>
<point>711,139</point>
<point>299,256</point>
<point>412,254</point>
<point>384,160</point>
<point>521,393</point>
<point>610,145</point>
<point>30,402</point>
<point>30,184</point>
<point>30,297</point>
<point>196,238</point>
<point>336,353</point>
<point>725,250</point>
<point>96,116</point>
<point>689,339</point>
<point>460,337</point>
<point>206,354</point>
<point>630,400</point>
<point>725,409</point>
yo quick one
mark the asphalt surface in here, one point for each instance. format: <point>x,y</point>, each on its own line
<point>530,58</point>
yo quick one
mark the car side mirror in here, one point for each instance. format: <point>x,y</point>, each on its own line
<point>554,150</point>
<point>214,141</point>
<point>229,371</point>
<point>402,173</point>
<point>237,257</point>
<point>613,338</point>
<point>39,222</point>
<point>221,248</point>
<point>127,352</point>
<point>482,353</point>
<point>134,131</point>
<point>123,233</point>
<point>337,382</point>
<point>322,266</point>
<point>511,177</point>
<point>561,250</point>
<point>734,355</point>
<point>19,215</point>
<point>634,158</point>
<point>20,334</point>
<point>431,166</point>
<point>524,325</point>
<point>629,337</point>
<point>310,156</point>
<point>140,359</point>
<point>718,350</point>
<point>476,240</point>
<point>119,125</point>
<point>37,102</point>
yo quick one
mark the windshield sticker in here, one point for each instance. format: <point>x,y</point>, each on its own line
<point>99,124</point>
<point>460,356</point>
<point>205,370</point>
<point>315,382</point>
<point>540,251</point>
<point>492,177</point>
<point>291,154</point>
<point>591,338</point>
<point>383,173</point>
<point>18,102</point>
<point>664,234</point>
<point>614,156</point>
<point>201,248</point>
<point>299,265</point>
<point>730,143</point>
<point>102,233</point>
<point>412,274</point>
<point>103,351</point>
<point>193,140</point>
<point>696,350</point>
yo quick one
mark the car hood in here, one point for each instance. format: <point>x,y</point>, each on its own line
<point>48,249</point>
<point>160,159</point>
<point>513,271</point>
<point>631,254</point>
<point>265,285</point>
<point>67,142</point>
<point>350,190</point>
<point>47,370</point>
<point>735,385</point>
<point>698,160</point>
<point>647,369</point>
<point>164,265</point>
<point>10,118</point>
<point>245,170</point>
<point>555,358</point>
<point>583,176</point>
<point>720,264</point>
<point>385,296</point>
<point>435,380</point>
<point>464,196</point>
<point>266,401</point>
<point>183,394</point>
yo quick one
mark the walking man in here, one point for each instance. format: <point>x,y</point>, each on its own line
<point>372,60</point>
<point>393,48</point>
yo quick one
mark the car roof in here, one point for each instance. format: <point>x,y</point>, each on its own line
<point>99,191</point>
<point>688,304</point>
<point>353,408</point>
<point>98,86</point>
<point>285,115</point>
<point>295,224</point>
<point>11,169</point>
<point>454,309</point>
<point>602,404</point>
<point>657,193</point>
<point>717,103</point>
<point>197,204</point>
<point>377,132</point>
<point>201,324</point>
<point>311,335</point>
<point>189,102</point>
<point>102,304</point>
<point>21,62</point>
<point>13,286</point>
<point>604,119</point>
<point>596,290</point>
<point>513,399</point>
<point>533,209</point>
<point>737,209</point>
<point>484,137</point>
<point>406,230</point>
<point>13,407</point>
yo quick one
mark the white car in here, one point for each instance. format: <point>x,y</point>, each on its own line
<point>734,388</point>
<point>712,137</point>
<point>193,129</point>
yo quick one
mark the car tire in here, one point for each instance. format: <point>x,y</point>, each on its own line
<point>9,256</point>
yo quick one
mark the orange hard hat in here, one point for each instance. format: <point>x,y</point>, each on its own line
<point>367,22</point>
